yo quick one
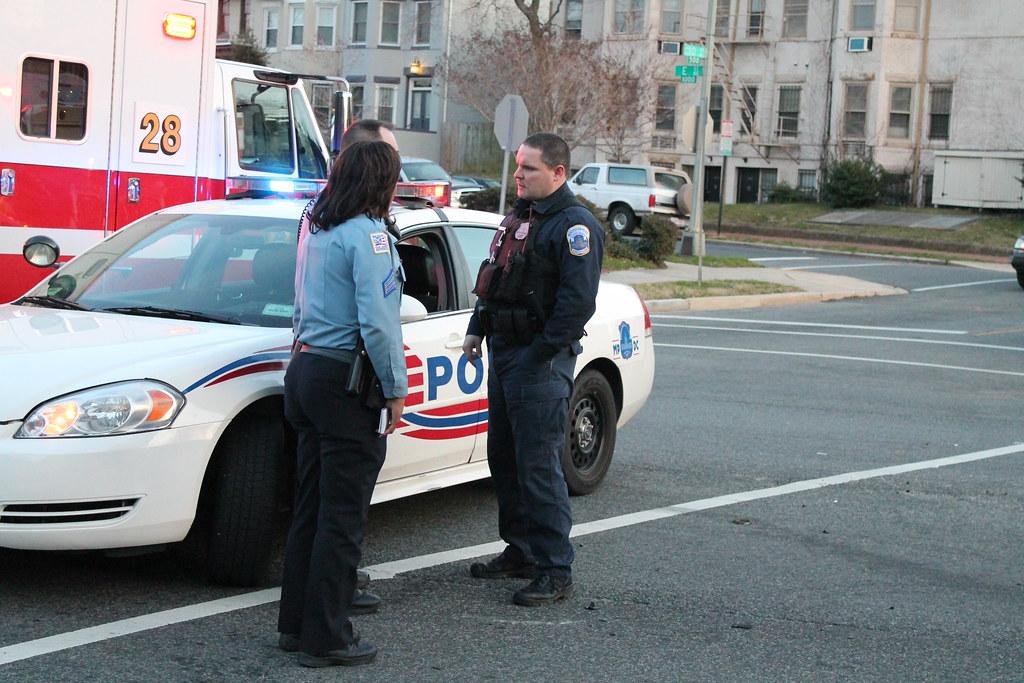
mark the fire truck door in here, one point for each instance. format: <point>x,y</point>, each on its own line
<point>164,81</point>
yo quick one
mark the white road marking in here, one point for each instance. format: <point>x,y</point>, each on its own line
<point>799,324</point>
<point>784,258</point>
<point>838,265</point>
<point>830,356</point>
<point>910,340</point>
<point>115,629</point>
<point>963,284</point>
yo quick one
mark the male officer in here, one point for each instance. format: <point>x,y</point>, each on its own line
<point>535,293</point>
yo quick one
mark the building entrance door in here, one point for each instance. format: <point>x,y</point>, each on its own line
<point>748,181</point>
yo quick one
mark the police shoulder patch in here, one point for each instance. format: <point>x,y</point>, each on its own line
<point>379,240</point>
<point>579,240</point>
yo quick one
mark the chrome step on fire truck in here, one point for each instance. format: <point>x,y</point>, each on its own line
<point>112,109</point>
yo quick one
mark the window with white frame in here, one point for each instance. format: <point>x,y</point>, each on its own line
<point>722,11</point>
<point>390,20</point>
<point>386,103</point>
<point>325,18</point>
<point>422,23</point>
<point>322,96</point>
<point>629,16</point>
<point>574,19</point>
<point>769,179</point>
<point>900,97</point>
<point>358,23</point>
<point>755,18</point>
<point>855,111</point>
<point>788,125</point>
<point>862,15</point>
<point>671,16</point>
<point>939,110</point>
<point>665,111</point>
<point>418,116</point>
<point>794,19</point>
<point>357,102</point>
<point>271,24</point>
<point>297,24</point>
<point>906,17</point>
<point>715,105</point>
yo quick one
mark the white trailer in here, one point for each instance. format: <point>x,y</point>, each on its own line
<point>981,180</point>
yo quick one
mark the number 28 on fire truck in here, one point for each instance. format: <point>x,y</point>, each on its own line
<point>112,109</point>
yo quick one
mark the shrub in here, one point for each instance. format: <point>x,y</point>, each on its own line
<point>851,183</point>
<point>658,238</point>
<point>784,193</point>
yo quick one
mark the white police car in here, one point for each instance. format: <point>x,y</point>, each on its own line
<point>143,382</point>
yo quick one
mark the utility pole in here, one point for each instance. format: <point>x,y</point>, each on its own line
<point>697,211</point>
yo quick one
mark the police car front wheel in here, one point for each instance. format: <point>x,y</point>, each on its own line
<point>590,437</point>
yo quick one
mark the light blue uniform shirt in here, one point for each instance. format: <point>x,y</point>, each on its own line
<point>348,281</point>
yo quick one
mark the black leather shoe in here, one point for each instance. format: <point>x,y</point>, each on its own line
<point>289,642</point>
<point>503,566</point>
<point>353,655</point>
<point>544,590</point>
<point>362,579</point>
<point>364,602</point>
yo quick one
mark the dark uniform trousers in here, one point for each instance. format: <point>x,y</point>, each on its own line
<point>528,405</point>
<point>338,458</point>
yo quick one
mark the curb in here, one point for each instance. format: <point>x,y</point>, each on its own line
<point>712,303</point>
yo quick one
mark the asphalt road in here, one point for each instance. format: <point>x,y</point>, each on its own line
<point>773,568</point>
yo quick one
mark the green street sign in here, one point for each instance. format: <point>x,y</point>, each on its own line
<point>694,50</point>
<point>689,70</point>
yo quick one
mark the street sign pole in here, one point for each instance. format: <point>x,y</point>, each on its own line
<point>697,212</point>
<point>725,149</point>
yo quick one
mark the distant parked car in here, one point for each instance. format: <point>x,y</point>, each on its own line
<point>629,192</point>
<point>462,185</point>
<point>425,179</point>
<point>1017,260</point>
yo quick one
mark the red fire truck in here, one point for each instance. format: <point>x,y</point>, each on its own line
<point>111,109</point>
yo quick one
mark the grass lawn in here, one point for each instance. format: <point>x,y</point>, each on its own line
<point>689,290</point>
<point>715,261</point>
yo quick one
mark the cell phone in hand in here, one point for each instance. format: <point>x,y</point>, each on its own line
<point>384,422</point>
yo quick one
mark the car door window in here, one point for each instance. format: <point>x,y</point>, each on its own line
<point>587,176</point>
<point>428,271</point>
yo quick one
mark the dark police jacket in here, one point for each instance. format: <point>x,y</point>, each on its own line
<point>568,246</point>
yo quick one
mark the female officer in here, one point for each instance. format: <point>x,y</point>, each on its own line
<point>348,284</point>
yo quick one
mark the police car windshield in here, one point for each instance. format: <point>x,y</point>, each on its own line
<point>237,269</point>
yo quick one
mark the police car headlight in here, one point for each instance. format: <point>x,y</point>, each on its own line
<point>121,408</point>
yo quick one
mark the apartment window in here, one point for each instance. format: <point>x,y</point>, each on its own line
<point>423,23</point>
<point>808,182</point>
<point>390,19</point>
<point>855,111</point>
<point>899,111</point>
<point>418,116</point>
<point>671,16</point>
<point>755,18</point>
<point>789,111</point>
<point>940,107</point>
<point>629,16</point>
<point>749,111</point>
<point>357,102</point>
<point>862,15</point>
<point>386,103</point>
<point>794,19</point>
<point>325,16</point>
<point>769,179</point>
<point>722,18</point>
<point>49,109</point>
<point>322,96</point>
<point>359,23</point>
<point>298,16</point>
<point>907,12</point>
<point>574,19</point>
<point>665,112</point>
<point>271,24</point>
<point>715,105</point>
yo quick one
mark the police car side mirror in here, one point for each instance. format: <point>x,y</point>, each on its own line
<point>412,309</point>
<point>41,251</point>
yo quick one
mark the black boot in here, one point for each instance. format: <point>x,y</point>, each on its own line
<point>543,590</point>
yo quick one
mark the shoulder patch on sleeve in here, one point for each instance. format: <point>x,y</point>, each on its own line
<point>579,240</point>
<point>379,240</point>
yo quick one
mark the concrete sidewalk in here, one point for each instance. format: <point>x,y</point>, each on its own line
<point>816,287</point>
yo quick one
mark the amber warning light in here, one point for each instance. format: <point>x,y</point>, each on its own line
<point>180,26</point>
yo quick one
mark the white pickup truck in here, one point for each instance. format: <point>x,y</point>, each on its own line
<point>628,192</point>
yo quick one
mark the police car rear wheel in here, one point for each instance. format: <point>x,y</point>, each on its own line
<point>590,438</point>
<point>244,508</point>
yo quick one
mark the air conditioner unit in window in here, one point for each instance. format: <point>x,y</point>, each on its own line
<point>859,44</point>
<point>669,47</point>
